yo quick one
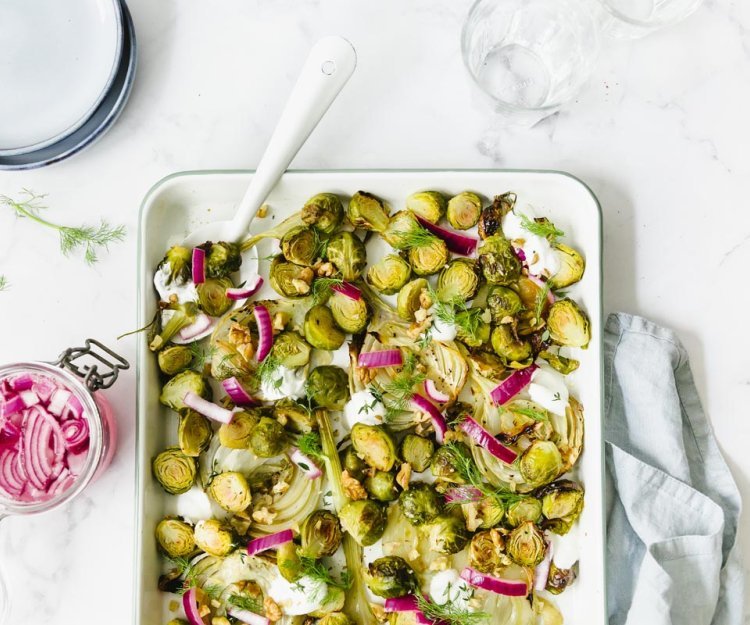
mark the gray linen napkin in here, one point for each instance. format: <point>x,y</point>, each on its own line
<point>672,505</point>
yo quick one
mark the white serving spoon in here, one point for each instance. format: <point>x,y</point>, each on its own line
<point>327,69</point>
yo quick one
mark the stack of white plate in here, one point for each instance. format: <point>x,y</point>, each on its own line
<point>66,70</point>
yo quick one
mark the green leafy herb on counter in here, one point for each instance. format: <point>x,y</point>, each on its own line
<point>4,284</point>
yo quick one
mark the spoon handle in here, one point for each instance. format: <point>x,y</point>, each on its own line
<point>327,69</point>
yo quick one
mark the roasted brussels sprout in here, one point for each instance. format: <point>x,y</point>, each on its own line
<point>491,219</point>
<point>374,445</point>
<point>513,351</point>
<point>562,503</point>
<point>540,463</point>
<point>381,485</point>
<point>525,545</point>
<point>367,211</point>
<point>222,258</point>
<point>389,274</point>
<point>568,324</point>
<point>175,538</point>
<point>559,579</point>
<point>291,350</point>
<point>323,212</point>
<point>464,210</point>
<point>486,550</point>
<point>300,246</point>
<point>268,438</point>
<point>212,296</point>
<point>174,470</point>
<point>174,391</point>
<point>351,315</point>
<point>236,434</point>
<point>231,491</point>
<point>214,537</point>
<point>320,533</point>
<point>420,504</point>
<point>288,279</point>
<point>321,330</point>
<point>288,561</point>
<point>429,257</point>
<point>178,261</point>
<point>524,509</point>
<point>560,363</point>
<point>471,329</point>
<point>174,359</point>
<point>193,433</point>
<point>417,451</point>
<point>499,263</point>
<point>409,298</point>
<point>335,618</point>
<point>348,254</point>
<point>571,269</point>
<point>490,512</point>
<point>458,281</point>
<point>503,302</point>
<point>294,416</point>
<point>447,534</point>
<point>390,576</point>
<point>353,464</point>
<point>328,387</point>
<point>400,229</point>
<point>429,205</point>
<point>443,465</point>
<point>333,603</point>
<point>365,520</point>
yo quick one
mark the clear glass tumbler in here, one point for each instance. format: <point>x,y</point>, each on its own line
<point>530,56</point>
<point>630,19</point>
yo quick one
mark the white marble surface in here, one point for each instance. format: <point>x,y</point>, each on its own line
<point>659,135</point>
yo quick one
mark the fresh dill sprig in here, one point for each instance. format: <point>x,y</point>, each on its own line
<point>244,602</point>
<point>450,612</point>
<point>202,355</point>
<point>213,591</point>
<point>470,473</point>
<point>531,414</point>
<point>4,284</point>
<point>310,445</point>
<point>187,572</point>
<point>317,570</point>
<point>456,312</point>
<point>401,387</point>
<point>267,370</point>
<point>88,238</point>
<point>323,287</point>
<point>541,228</point>
<point>541,298</point>
<point>414,238</point>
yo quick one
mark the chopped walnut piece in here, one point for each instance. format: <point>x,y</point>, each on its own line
<point>272,609</point>
<point>379,612</point>
<point>404,475</point>
<point>471,514</point>
<point>301,286</point>
<point>239,336</point>
<point>353,489</point>
<point>280,319</point>
<point>280,487</point>
<point>173,606</point>
<point>262,211</point>
<point>420,315</point>
<point>425,301</point>
<point>325,269</point>
<point>264,515</point>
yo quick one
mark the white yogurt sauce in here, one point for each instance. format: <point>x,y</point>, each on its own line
<point>340,356</point>
<point>301,597</point>
<point>185,292</point>
<point>540,255</point>
<point>195,505</point>
<point>447,586</point>
<point>364,407</point>
<point>284,382</point>
<point>548,389</point>
<point>441,331</point>
<point>566,549</point>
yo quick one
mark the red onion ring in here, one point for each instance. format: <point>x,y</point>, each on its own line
<point>199,265</point>
<point>509,588</point>
<point>438,421</point>
<point>382,358</point>
<point>269,542</point>
<point>512,385</point>
<point>208,409</point>
<point>484,439</point>
<point>265,331</point>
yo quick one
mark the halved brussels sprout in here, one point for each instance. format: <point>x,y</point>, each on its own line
<point>236,434</point>
<point>464,210</point>
<point>374,445</point>
<point>420,504</point>
<point>417,451</point>
<point>428,258</point>
<point>214,537</point>
<point>560,363</point>
<point>300,246</point>
<point>540,463</point>
<point>559,579</point>
<point>503,302</point>
<point>231,491</point>
<point>324,212</point>
<point>212,296</point>
<point>367,211</point>
<point>571,269</point>
<point>321,330</point>
<point>174,391</point>
<point>222,258</point>
<point>174,470</point>
<point>562,503</point>
<point>512,351</point>
<point>525,545</point>
<point>490,512</point>
<point>320,533</point>
<point>408,300</point>
<point>335,618</point>
<point>400,227</point>
<point>294,416</point>
<point>443,465</point>
<point>568,324</point>
<point>351,315</point>
<point>390,577</point>
<point>174,359</point>
<point>193,433</point>
<point>328,387</point>
<point>175,538</point>
<point>471,329</point>
<point>525,509</point>
<point>288,279</point>
<point>491,219</point>
<point>429,205</point>
<point>447,534</point>
<point>499,263</point>
<point>353,464</point>
<point>333,602</point>
<point>365,520</point>
<point>291,350</point>
<point>486,550</point>
<point>381,485</point>
<point>178,259</point>
<point>389,274</point>
<point>348,254</point>
<point>268,438</point>
<point>488,364</point>
<point>288,562</point>
<point>458,281</point>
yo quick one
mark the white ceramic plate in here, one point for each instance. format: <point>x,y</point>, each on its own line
<point>57,62</point>
<point>182,202</point>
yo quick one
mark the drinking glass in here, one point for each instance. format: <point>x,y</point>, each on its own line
<point>629,19</point>
<point>530,56</point>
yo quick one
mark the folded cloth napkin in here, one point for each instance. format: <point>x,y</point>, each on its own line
<point>672,505</point>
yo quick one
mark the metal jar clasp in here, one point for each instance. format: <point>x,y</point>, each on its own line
<point>98,365</point>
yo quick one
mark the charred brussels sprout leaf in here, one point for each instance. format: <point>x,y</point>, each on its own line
<point>374,445</point>
<point>288,279</point>
<point>231,491</point>
<point>390,577</point>
<point>503,302</point>
<point>458,281</point>
<point>335,618</point>
<point>540,463</point>
<point>486,550</point>
<point>175,538</point>
<point>464,210</point>
<point>568,324</point>
<point>212,296</point>
<point>559,579</point>
<point>365,520</point>
<point>300,246</point>
<point>328,387</point>
<point>447,534</point>
<point>491,219</point>
<point>173,393</point>
<point>389,274</point>
<point>562,503</point>
<point>512,351</point>
<point>381,485</point>
<point>288,562</point>
<point>367,211</point>
<point>351,315</point>
<point>222,258</point>
<point>409,298</point>
<point>294,416</point>
<point>400,229</point>
<point>429,257</point>
<point>194,433</point>
<point>525,545</point>
<point>571,269</point>
<point>268,438</point>
<point>560,363</point>
<point>320,534</point>
<point>500,265</point>
<point>323,212</point>
<point>429,205</point>
<point>321,330</point>
<point>174,359</point>
<point>291,350</point>
<point>420,504</point>
<point>174,471</point>
<point>417,451</point>
<point>236,434</point>
<point>214,537</point>
<point>348,254</point>
<point>525,509</point>
<point>177,262</point>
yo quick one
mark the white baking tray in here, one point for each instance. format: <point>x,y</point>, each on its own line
<point>181,202</point>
